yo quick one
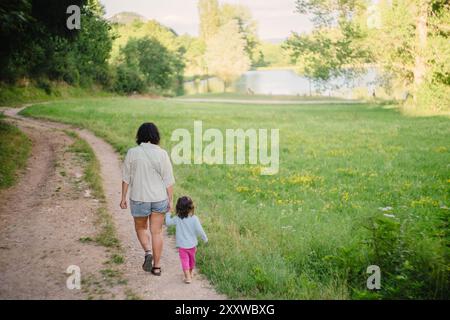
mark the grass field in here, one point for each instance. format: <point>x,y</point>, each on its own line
<point>358,185</point>
<point>13,95</point>
<point>242,96</point>
<point>15,148</point>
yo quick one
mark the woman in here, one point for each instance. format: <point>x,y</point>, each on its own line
<point>148,173</point>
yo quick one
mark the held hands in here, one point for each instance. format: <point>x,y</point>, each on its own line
<point>123,204</point>
<point>170,207</point>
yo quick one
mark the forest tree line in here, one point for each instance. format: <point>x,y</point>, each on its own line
<point>126,57</point>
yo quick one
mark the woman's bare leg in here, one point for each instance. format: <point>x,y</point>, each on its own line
<point>156,223</point>
<point>143,235</point>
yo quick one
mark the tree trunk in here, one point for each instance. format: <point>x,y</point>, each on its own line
<point>421,41</point>
<point>207,80</point>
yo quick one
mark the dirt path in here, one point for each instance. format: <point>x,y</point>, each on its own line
<point>42,219</point>
<point>38,179</point>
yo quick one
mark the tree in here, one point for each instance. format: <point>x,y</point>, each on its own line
<point>148,59</point>
<point>93,45</point>
<point>29,30</point>
<point>411,44</point>
<point>336,46</point>
<point>40,46</point>
<point>208,11</point>
<point>194,55</point>
<point>406,39</point>
<point>327,52</point>
<point>140,29</point>
<point>247,27</point>
<point>274,55</point>
<point>225,54</point>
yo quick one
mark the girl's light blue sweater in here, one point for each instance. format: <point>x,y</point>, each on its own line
<point>187,230</point>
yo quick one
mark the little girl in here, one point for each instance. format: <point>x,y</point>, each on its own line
<point>188,228</point>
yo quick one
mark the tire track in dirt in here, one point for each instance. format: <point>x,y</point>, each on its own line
<point>42,218</point>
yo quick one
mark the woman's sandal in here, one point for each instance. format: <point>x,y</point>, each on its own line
<point>156,273</point>
<point>147,266</point>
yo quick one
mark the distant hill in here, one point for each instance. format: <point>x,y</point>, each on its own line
<point>125,29</point>
<point>126,18</point>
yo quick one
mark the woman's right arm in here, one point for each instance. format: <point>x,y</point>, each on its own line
<point>126,177</point>
<point>123,202</point>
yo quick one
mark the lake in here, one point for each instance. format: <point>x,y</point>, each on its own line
<point>287,82</point>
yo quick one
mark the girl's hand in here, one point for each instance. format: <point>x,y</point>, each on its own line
<point>123,204</point>
<point>170,208</point>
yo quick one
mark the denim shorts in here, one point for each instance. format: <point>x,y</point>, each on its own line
<point>140,209</point>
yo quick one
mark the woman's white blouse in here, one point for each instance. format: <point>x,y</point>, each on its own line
<point>148,171</point>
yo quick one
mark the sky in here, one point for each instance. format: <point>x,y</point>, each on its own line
<point>276,18</point>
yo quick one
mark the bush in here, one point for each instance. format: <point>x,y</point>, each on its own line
<point>71,76</point>
<point>129,80</point>
<point>107,78</point>
<point>45,85</point>
<point>434,97</point>
<point>409,269</point>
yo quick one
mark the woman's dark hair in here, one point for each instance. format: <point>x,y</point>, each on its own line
<point>184,207</point>
<point>148,132</point>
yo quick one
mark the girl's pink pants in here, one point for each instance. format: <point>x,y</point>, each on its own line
<point>187,258</point>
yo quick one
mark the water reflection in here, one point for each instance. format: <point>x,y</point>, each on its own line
<point>287,82</point>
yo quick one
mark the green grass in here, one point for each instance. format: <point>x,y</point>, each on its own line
<point>92,166</point>
<point>107,236</point>
<point>243,96</point>
<point>116,259</point>
<point>312,230</point>
<point>107,233</point>
<point>130,295</point>
<point>15,148</point>
<point>18,95</point>
<point>86,240</point>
